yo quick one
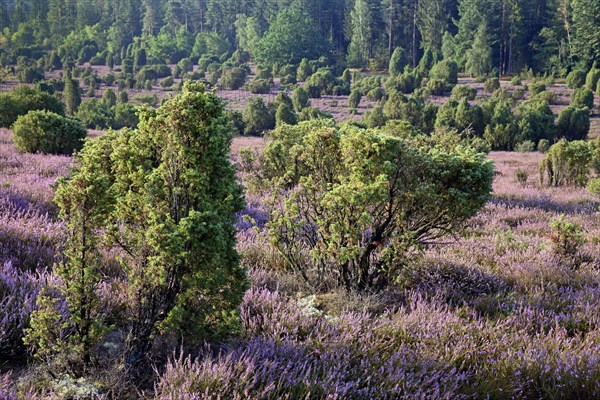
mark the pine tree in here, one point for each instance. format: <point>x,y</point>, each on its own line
<point>586,22</point>
<point>360,48</point>
<point>479,56</point>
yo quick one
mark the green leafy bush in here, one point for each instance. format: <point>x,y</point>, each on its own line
<point>464,91</point>
<point>491,84</point>
<point>259,86</point>
<point>257,117</point>
<point>233,78</point>
<point>575,79</point>
<point>362,194</point>
<point>583,97</point>
<point>95,114</point>
<point>24,99</point>
<point>300,99</point>
<point>354,100</point>
<point>573,123</point>
<point>445,70</point>
<point>567,163</point>
<point>46,132</point>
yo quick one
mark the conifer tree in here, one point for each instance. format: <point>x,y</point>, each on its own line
<point>71,94</point>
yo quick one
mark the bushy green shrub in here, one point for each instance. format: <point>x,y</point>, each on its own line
<point>583,97</point>
<point>95,114</point>
<point>354,100</point>
<point>573,123</point>
<point>109,97</point>
<point>259,86</point>
<point>167,82</point>
<point>464,92</point>
<point>233,78</point>
<point>526,146</point>
<point>257,117</point>
<point>536,87</point>
<point>300,99</point>
<point>24,99</point>
<point>285,115</point>
<point>592,77</point>
<point>543,145</point>
<point>42,131</point>
<point>593,186</point>
<point>575,79</point>
<point>398,61</point>
<point>516,80</point>
<point>491,84</point>
<point>374,118</point>
<point>375,94</point>
<point>445,70</point>
<point>567,163</point>
<point>547,95</point>
<point>436,87</point>
<point>536,121</point>
<point>125,116</point>
<point>304,70</point>
<point>357,209</point>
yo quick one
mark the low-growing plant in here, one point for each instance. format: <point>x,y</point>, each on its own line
<point>567,163</point>
<point>491,84</point>
<point>567,239</point>
<point>521,175</point>
<point>47,132</point>
<point>575,79</point>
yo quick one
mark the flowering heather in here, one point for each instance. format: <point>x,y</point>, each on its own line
<point>494,313</point>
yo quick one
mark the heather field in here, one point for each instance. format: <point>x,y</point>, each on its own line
<point>495,312</point>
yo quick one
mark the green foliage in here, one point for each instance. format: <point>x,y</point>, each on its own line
<point>398,61</point>
<point>354,100</point>
<point>285,115</point>
<point>573,123</point>
<point>109,97</point>
<point>95,114</point>
<point>592,77</point>
<point>46,132</point>
<point>446,70</point>
<point>300,99</point>
<point>575,79</point>
<point>536,121</point>
<point>543,145</point>
<point>536,87</point>
<point>526,146</point>
<point>567,239</point>
<point>24,99</point>
<point>436,87</point>
<point>84,202</point>
<point>291,37</point>
<point>567,163</point>
<point>233,78</point>
<point>479,56</point>
<point>464,92</point>
<point>593,186</point>
<point>360,202</point>
<point>125,116</point>
<point>123,96</point>
<point>257,117</point>
<point>374,118</point>
<point>167,82</point>
<point>491,84</point>
<point>521,175</point>
<point>583,97</point>
<point>304,70</point>
<point>259,86</point>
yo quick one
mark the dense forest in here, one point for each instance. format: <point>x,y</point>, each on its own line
<point>548,36</point>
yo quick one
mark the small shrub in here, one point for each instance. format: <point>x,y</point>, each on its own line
<point>547,95</point>
<point>446,70</point>
<point>521,175</point>
<point>300,99</point>
<point>464,91</point>
<point>592,78</point>
<point>543,145</point>
<point>233,78</point>
<point>575,79</point>
<point>573,123</point>
<point>167,82</point>
<point>583,98</point>
<point>567,239</point>
<point>375,94</point>
<point>567,163</point>
<point>516,80</point>
<point>536,87</point>
<point>257,117</point>
<point>593,186</point>
<point>49,133</point>
<point>491,84</point>
<point>354,100</point>
<point>436,87</point>
<point>259,86</point>
<point>525,146</point>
